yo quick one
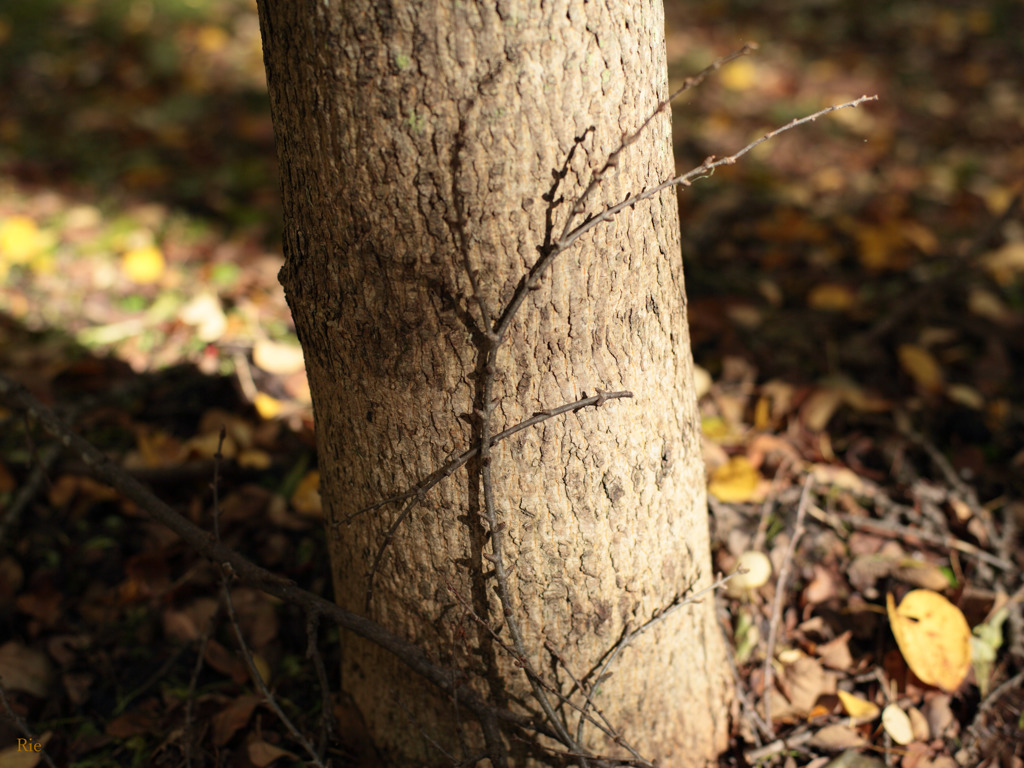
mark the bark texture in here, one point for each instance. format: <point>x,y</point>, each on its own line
<point>419,143</point>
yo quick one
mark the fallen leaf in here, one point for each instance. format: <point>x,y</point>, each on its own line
<point>933,637</point>
<point>851,759</point>
<point>701,381</point>
<point>837,736</point>
<point>735,481</point>
<point>986,641</point>
<point>262,753</point>
<point>835,654</point>
<point>20,240</point>
<point>858,707</point>
<point>920,574</point>
<point>831,297</point>
<point>131,724</point>
<point>919,724</point>
<point>1005,263</point>
<point>939,714</point>
<point>921,366</point>
<point>229,720</point>
<point>206,315</point>
<point>818,409</point>
<point>306,499</point>
<point>966,395</point>
<point>740,75</point>
<point>143,265</point>
<point>25,669</point>
<point>897,724</point>
<point>803,682</point>
<point>222,660</point>
<point>266,406</point>
<point>278,357</point>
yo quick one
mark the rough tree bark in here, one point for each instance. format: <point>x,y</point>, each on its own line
<point>419,145</point>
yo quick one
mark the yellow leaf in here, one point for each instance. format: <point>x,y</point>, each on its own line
<point>933,637</point>
<point>1006,263</point>
<point>817,410</point>
<point>736,481</point>
<point>211,39</point>
<point>878,247</point>
<point>143,265</point>
<point>921,365</point>
<point>740,75</point>
<point>858,707</point>
<point>262,667</point>
<point>267,406</point>
<point>306,499</point>
<point>20,240</point>
<point>831,297</point>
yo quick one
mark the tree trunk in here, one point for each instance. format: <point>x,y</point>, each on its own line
<point>419,145</point>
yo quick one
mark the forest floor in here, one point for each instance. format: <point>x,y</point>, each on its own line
<point>857,315</point>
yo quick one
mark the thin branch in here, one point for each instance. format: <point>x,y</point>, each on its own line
<point>328,724</point>
<point>613,159</point>
<point>497,539</point>
<point>583,688</point>
<point>629,636</point>
<point>30,488</point>
<point>417,493</point>
<point>705,169</point>
<point>193,682</point>
<point>907,534</point>
<point>250,662</point>
<point>603,725</point>
<point>421,488</point>
<point>257,678</point>
<point>780,590</point>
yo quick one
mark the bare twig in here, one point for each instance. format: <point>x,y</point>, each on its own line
<point>189,736</point>
<point>613,159</point>
<point>257,678</point>
<point>328,725</point>
<point>602,725</point>
<point>629,636</point>
<point>30,488</point>
<point>907,533</point>
<point>748,709</point>
<point>705,169</point>
<point>493,339</point>
<point>422,487</point>
<point>965,491</point>
<point>484,415</point>
<point>780,594</point>
<point>250,662</point>
<point>417,493</point>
